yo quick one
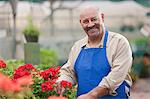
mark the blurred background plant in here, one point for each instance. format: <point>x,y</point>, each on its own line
<point>31,31</point>
<point>48,57</point>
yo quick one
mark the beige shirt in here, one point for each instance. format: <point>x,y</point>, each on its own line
<point>119,56</point>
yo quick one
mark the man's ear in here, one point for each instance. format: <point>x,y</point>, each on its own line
<point>80,21</point>
<point>102,15</point>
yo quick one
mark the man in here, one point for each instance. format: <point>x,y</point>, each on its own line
<point>100,62</point>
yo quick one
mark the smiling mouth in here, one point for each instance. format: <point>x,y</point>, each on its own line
<point>92,30</point>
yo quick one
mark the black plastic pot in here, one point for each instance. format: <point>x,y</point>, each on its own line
<point>30,38</point>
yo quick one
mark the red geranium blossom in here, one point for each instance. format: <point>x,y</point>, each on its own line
<point>7,85</point>
<point>65,84</point>
<point>47,86</point>
<point>51,73</point>
<point>2,64</point>
<point>24,70</point>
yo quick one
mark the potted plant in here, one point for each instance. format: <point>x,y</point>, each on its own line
<point>31,32</point>
<point>31,48</point>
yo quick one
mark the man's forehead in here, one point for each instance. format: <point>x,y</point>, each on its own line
<point>89,11</point>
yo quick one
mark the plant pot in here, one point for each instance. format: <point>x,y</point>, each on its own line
<point>31,38</point>
<point>32,53</point>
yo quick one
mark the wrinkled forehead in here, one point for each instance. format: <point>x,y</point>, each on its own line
<point>89,12</point>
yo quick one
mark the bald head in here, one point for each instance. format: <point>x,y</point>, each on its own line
<point>89,10</point>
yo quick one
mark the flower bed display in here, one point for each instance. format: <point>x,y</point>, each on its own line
<point>28,81</point>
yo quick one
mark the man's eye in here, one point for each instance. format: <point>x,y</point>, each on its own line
<point>85,21</point>
<point>94,19</point>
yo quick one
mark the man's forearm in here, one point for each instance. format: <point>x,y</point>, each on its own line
<point>99,91</point>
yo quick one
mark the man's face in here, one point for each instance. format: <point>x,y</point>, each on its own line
<point>90,22</point>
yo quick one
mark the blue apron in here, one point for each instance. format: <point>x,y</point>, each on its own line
<point>91,67</point>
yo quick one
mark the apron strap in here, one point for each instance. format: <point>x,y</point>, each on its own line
<point>105,38</point>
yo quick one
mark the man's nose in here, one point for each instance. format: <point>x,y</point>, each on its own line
<point>91,24</point>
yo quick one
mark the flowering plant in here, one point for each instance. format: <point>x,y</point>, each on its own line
<point>39,83</point>
<point>44,80</point>
<point>2,64</point>
<point>10,88</point>
<point>15,89</point>
<point>3,68</point>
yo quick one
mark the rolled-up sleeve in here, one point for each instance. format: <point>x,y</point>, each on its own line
<point>121,64</point>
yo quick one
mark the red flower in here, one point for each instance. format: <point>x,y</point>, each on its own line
<point>2,64</point>
<point>65,84</point>
<point>45,74</point>
<point>26,67</point>
<point>23,71</point>
<point>47,86</point>
<point>25,80</point>
<point>29,67</point>
<point>19,73</point>
<point>51,73</point>
<point>7,85</point>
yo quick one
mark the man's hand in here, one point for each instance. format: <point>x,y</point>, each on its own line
<point>95,93</point>
<point>59,89</point>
